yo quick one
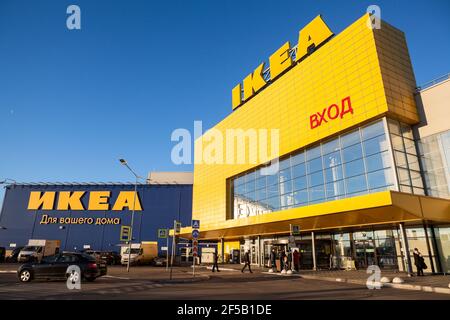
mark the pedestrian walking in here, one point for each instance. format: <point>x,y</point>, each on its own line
<point>247,262</point>
<point>286,262</point>
<point>289,260</point>
<point>296,260</point>
<point>281,257</point>
<point>273,260</point>
<point>419,261</point>
<point>215,262</point>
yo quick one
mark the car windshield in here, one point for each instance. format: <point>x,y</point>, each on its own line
<point>31,248</point>
<point>133,251</point>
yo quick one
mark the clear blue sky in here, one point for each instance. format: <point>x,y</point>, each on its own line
<point>73,102</point>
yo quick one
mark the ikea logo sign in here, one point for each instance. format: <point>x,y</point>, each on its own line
<point>71,200</point>
<point>310,37</point>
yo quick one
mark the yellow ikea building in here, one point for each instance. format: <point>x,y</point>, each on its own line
<point>342,116</point>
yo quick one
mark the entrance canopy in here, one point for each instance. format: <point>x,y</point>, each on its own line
<point>382,208</point>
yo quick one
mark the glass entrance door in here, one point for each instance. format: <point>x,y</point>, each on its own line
<point>364,253</point>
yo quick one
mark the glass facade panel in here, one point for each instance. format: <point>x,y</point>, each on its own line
<point>378,161</point>
<point>350,138</point>
<point>405,155</point>
<point>300,183</point>
<point>352,153</point>
<point>375,145</point>
<point>348,165</point>
<point>299,170</point>
<point>356,184</point>
<point>354,168</point>
<point>435,160</point>
<point>443,246</point>
<point>333,174</point>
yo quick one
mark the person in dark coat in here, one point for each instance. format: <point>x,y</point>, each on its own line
<point>215,265</point>
<point>282,255</point>
<point>273,260</point>
<point>247,262</point>
<point>419,262</point>
<point>296,260</point>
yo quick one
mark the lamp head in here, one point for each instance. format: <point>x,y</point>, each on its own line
<point>123,161</point>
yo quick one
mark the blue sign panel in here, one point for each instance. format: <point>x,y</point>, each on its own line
<point>195,234</point>
<point>195,224</point>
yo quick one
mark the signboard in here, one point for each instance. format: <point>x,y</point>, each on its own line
<point>86,246</point>
<point>195,233</point>
<point>195,251</point>
<point>295,230</point>
<point>13,245</point>
<point>195,243</point>
<point>162,233</point>
<point>125,233</point>
<point>291,241</point>
<point>164,249</point>
<point>177,227</point>
<point>195,224</point>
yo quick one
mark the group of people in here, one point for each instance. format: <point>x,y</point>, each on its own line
<point>289,260</point>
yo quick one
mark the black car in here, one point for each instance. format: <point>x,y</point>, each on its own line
<point>12,258</point>
<point>55,267</point>
<point>110,257</point>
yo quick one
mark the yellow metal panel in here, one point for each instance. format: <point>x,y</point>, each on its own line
<point>359,63</point>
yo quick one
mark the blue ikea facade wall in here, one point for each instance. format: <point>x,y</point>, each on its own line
<point>161,205</point>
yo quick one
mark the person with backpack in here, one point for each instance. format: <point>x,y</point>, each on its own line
<point>419,262</point>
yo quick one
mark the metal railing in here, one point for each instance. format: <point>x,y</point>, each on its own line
<point>433,82</point>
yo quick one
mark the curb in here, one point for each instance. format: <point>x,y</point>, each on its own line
<point>359,282</point>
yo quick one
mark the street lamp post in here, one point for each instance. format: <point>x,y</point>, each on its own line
<point>124,162</point>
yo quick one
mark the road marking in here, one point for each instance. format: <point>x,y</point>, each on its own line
<point>115,277</point>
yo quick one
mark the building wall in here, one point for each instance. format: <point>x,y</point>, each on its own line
<point>372,67</point>
<point>433,102</point>
<point>160,203</point>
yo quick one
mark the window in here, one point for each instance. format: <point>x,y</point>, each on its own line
<point>350,139</point>
<point>356,184</point>
<point>352,153</point>
<point>354,168</point>
<point>348,165</point>
<point>405,156</point>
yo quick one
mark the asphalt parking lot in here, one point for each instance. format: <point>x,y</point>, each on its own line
<point>154,283</point>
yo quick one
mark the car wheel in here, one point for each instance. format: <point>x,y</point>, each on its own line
<point>74,276</point>
<point>25,276</point>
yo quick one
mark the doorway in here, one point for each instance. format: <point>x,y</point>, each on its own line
<point>364,253</point>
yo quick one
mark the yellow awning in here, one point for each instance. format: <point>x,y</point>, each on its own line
<point>382,208</point>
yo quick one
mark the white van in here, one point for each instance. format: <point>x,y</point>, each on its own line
<point>38,249</point>
<point>141,253</point>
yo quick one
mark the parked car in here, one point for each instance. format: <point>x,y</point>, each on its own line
<point>55,267</point>
<point>96,254</point>
<point>12,258</point>
<point>110,257</point>
<point>159,262</point>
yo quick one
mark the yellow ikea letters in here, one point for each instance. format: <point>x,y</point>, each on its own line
<point>98,200</point>
<point>310,37</point>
